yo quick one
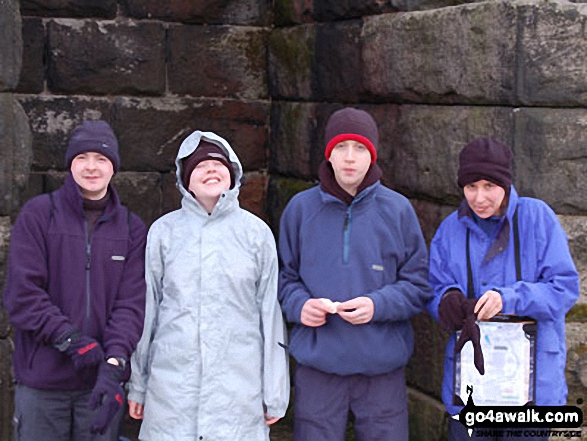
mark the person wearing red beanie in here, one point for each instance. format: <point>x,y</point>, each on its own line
<point>354,272</point>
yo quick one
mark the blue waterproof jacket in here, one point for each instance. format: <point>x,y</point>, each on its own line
<point>549,286</point>
<point>372,247</point>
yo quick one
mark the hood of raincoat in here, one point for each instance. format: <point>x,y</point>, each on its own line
<point>189,146</point>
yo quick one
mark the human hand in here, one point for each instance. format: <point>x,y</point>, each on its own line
<point>84,351</point>
<point>107,395</point>
<point>451,312</point>
<point>357,311</point>
<point>314,313</point>
<point>270,420</point>
<point>488,305</point>
<point>135,410</point>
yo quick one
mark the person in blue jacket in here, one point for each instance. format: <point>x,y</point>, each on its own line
<point>548,284</point>
<point>354,271</point>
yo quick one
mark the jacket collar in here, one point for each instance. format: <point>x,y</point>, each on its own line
<point>74,198</point>
<point>329,185</point>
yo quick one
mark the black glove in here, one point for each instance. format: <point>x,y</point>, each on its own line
<point>470,332</point>
<point>84,351</point>
<point>108,395</point>
<point>451,311</point>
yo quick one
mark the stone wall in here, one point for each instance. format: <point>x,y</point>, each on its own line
<point>266,76</point>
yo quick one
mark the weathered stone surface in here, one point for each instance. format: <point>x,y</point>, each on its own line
<point>10,44</point>
<point>422,157</point>
<point>550,157</point>
<point>16,153</point>
<point>279,192</point>
<point>576,229</point>
<point>253,193</point>
<point>32,74</point>
<point>426,366</point>
<point>330,10</point>
<point>338,67</point>
<point>294,147</point>
<point>422,5</point>
<point>551,65</point>
<point>147,144</point>
<point>576,367</point>
<point>464,54</point>
<point>104,57</point>
<point>291,60</point>
<point>53,118</point>
<point>241,12</point>
<point>171,196</point>
<point>5,228</point>
<point>6,389</point>
<point>69,8</point>
<point>430,215</point>
<point>291,12</point>
<point>428,420</point>
<point>217,61</point>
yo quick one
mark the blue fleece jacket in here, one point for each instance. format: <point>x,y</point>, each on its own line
<point>372,247</point>
<point>549,286</point>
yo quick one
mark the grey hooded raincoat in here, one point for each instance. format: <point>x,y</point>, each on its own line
<point>211,359</point>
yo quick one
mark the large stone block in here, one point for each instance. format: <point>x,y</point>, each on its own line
<point>149,144</point>
<point>426,367</point>
<point>253,193</point>
<point>241,12</point>
<point>576,367</point>
<point>279,192</point>
<point>338,65</point>
<point>221,61</point>
<point>553,50</point>
<point>69,8</point>
<point>550,157</point>
<point>422,158</point>
<point>330,10</point>
<point>16,153</point>
<point>464,54</point>
<point>10,44</point>
<point>291,12</point>
<point>32,74</point>
<point>292,53</point>
<point>294,147</point>
<point>428,419</point>
<point>576,229</point>
<point>53,118</point>
<point>5,229</point>
<point>6,389</point>
<point>105,57</point>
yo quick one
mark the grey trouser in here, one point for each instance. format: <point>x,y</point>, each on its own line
<point>62,415</point>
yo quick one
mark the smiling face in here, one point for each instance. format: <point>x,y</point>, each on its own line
<point>208,181</point>
<point>350,161</point>
<point>485,198</point>
<point>92,172</point>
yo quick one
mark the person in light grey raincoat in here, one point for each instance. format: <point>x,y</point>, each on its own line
<point>211,363</point>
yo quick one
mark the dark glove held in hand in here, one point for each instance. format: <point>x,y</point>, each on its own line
<point>108,395</point>
<point>471,332</point>
<point>84,351</point>
<point>451,310</point>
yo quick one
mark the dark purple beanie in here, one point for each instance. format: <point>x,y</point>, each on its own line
<point>204,152</point>
<point>485,158</point>
<point>93,136</point>
<point>351,124</point>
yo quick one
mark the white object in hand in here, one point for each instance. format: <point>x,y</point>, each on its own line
<point>330,305</point>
